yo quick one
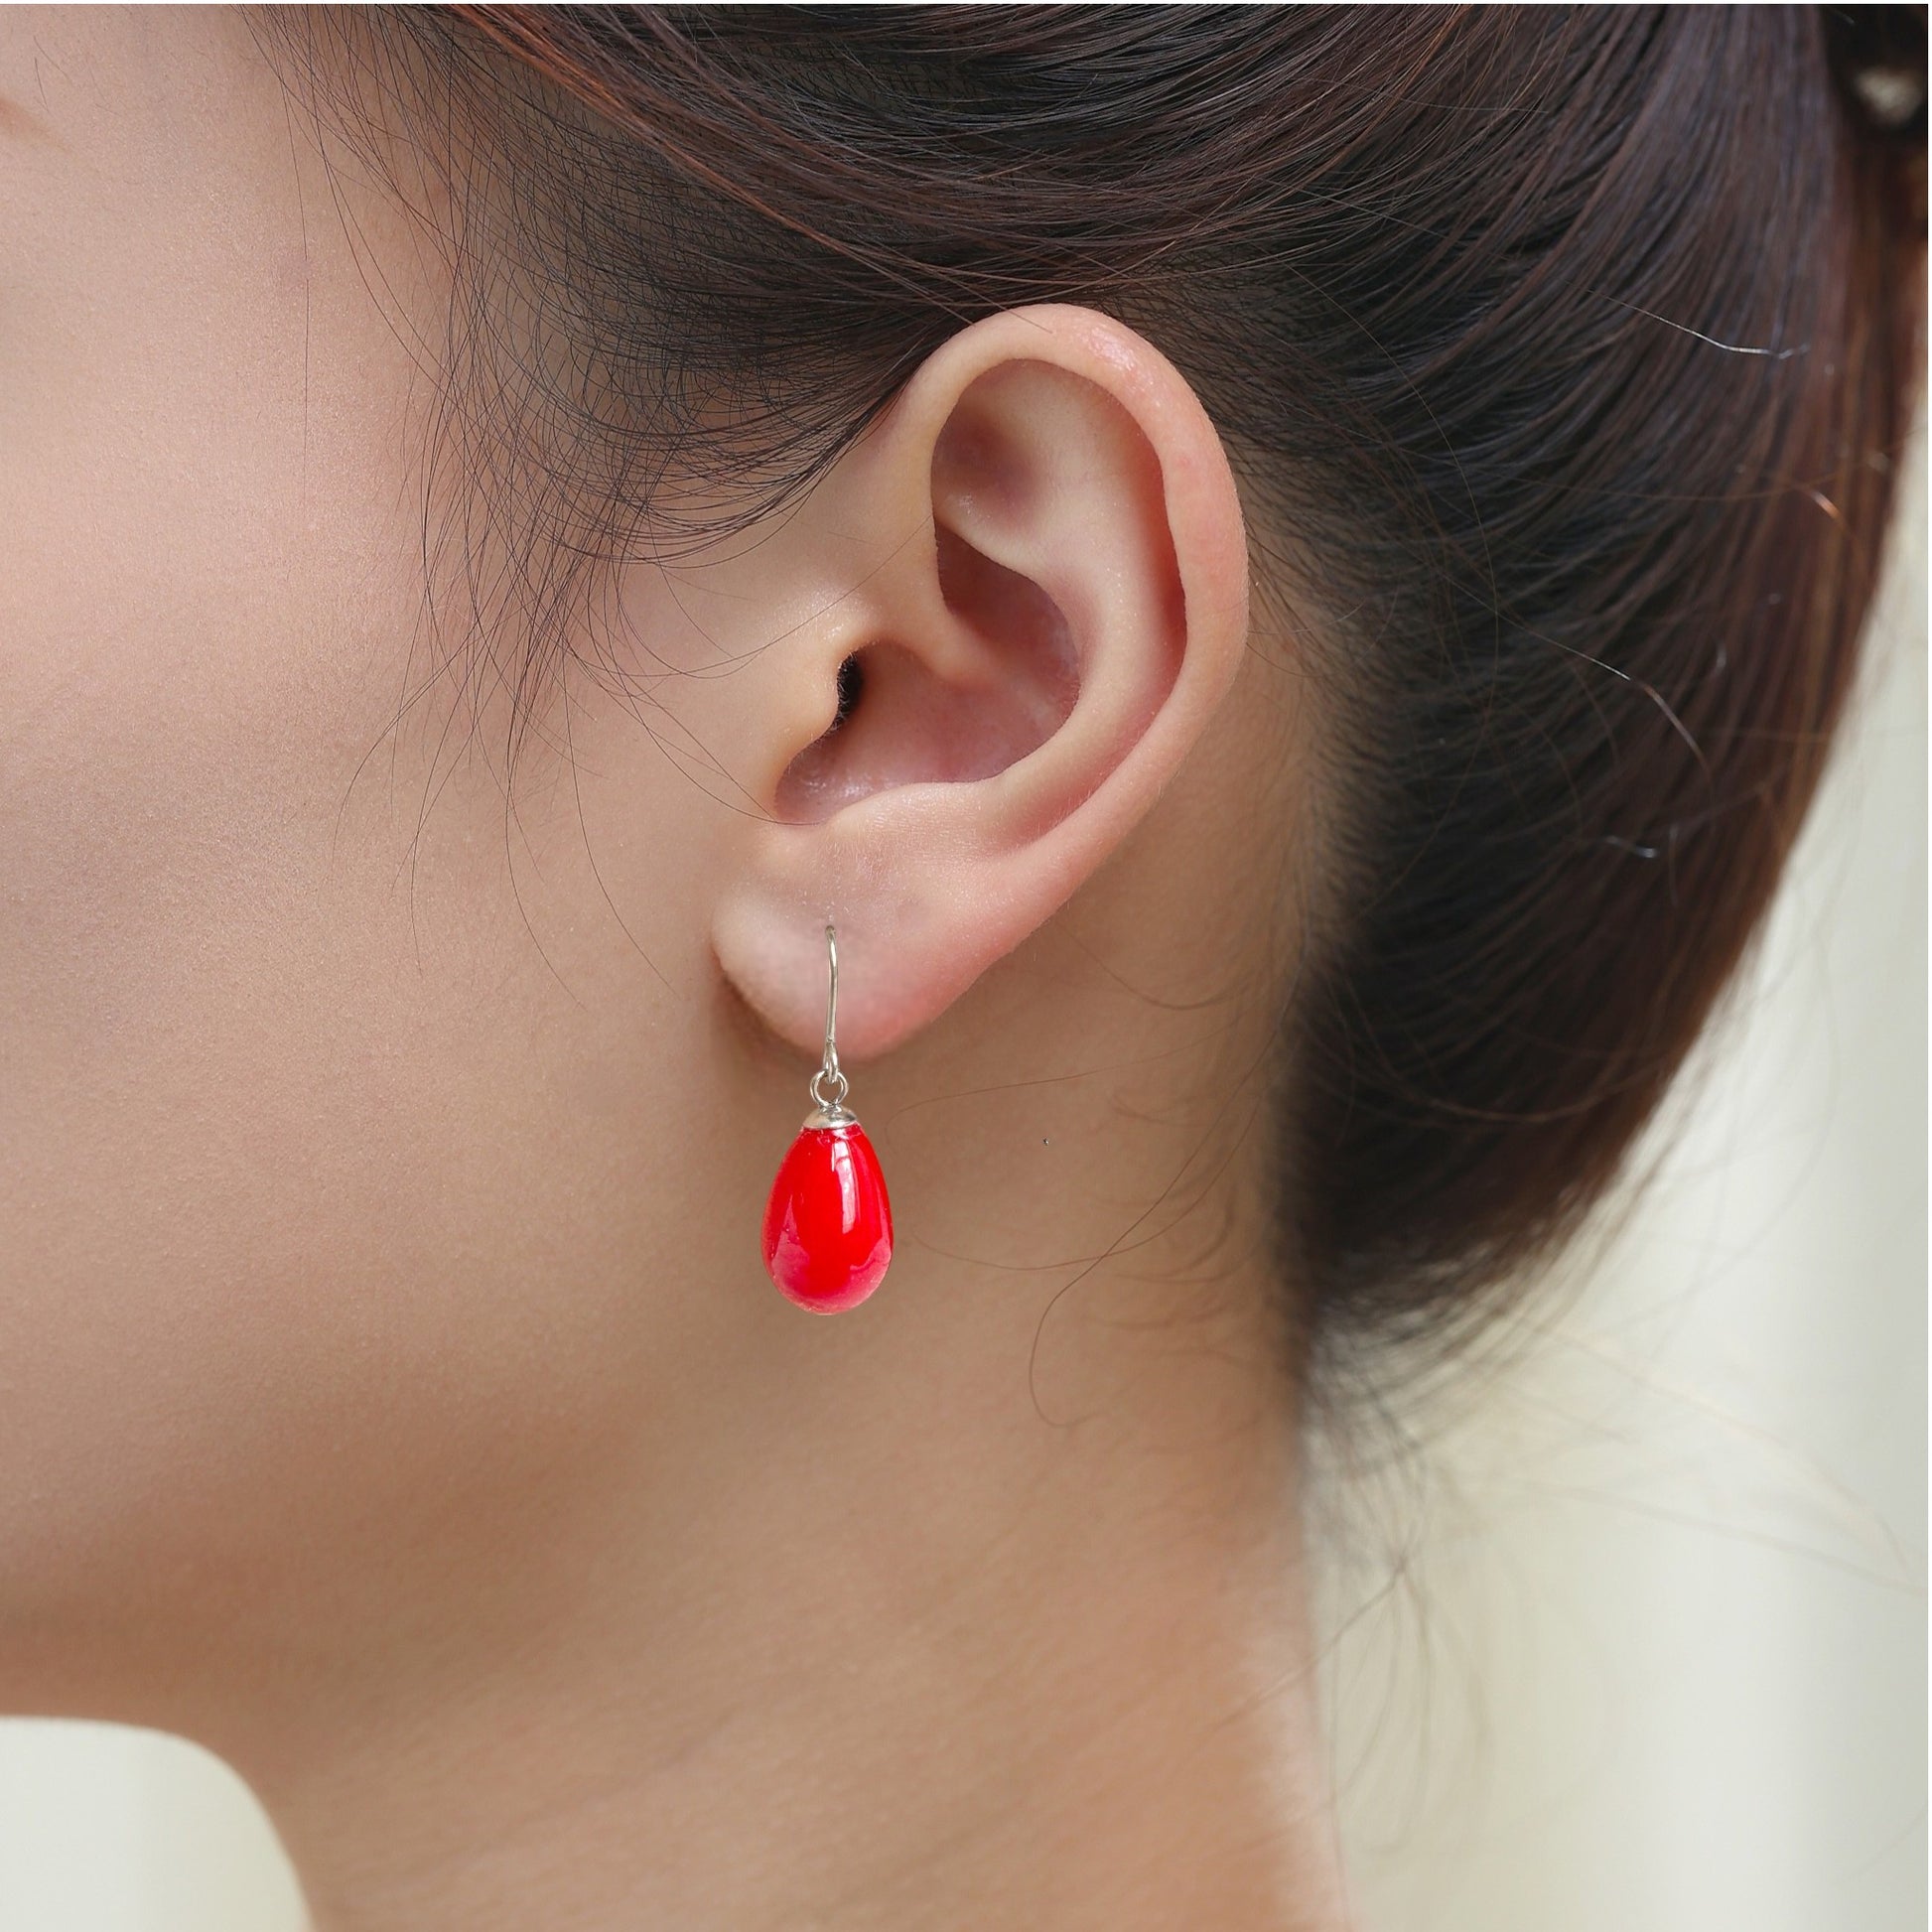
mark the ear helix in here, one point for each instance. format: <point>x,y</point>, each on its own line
<point>828,1226</point>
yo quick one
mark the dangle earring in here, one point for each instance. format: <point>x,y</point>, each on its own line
<point>828,1226</point>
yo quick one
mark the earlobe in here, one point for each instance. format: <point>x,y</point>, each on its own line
<point>1058,603</point>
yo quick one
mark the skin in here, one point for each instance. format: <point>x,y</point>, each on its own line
<point>393,1397</point>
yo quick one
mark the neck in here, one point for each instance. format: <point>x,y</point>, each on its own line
<point>849,1677</point>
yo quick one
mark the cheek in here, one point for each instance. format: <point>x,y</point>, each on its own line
<point>332,1120</point>
<point>274,1114</point>
<point>259,1155</point>
<point>196,1108</point>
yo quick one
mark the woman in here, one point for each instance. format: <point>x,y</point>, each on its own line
<point>1274,585</point>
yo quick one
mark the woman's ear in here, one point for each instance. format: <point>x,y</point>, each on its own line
<point>1044,601</point>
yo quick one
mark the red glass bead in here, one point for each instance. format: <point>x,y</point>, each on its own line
<point>828,1226</point>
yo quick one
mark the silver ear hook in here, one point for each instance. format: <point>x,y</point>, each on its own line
<point>829,1087</point>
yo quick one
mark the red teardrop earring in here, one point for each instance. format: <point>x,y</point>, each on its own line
<point>828,1226</point>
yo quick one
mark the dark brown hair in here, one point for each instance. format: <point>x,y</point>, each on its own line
<point>1575,347</point>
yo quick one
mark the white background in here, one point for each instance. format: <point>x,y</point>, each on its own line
<point>1635,1642</point>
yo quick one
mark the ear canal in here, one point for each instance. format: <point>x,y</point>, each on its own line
<point>964,707</point>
